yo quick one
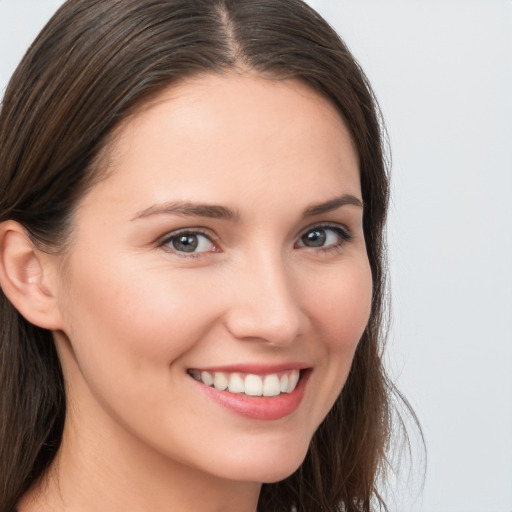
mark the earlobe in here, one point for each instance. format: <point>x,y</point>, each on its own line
<point>25,279</point>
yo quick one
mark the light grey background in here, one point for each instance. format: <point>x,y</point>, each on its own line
<point>442,70</point>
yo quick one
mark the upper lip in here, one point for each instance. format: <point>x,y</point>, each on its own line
<point>254,368</point>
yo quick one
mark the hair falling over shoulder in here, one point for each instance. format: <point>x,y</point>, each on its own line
<point>95,63</point>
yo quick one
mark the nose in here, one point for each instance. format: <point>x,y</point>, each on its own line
<point>265,303</point>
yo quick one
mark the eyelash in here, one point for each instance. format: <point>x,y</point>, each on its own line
<point>342,232</point>
<point>165,243</point>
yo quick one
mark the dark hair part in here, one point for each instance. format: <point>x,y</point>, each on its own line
<point>95,63</point>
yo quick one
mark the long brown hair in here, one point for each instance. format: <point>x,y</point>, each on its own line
<point>91,66</point>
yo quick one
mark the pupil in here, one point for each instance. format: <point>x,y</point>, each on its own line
<point>186,243</point>
<point>315,238</point>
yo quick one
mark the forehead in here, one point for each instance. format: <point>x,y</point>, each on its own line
<point>233,133</point>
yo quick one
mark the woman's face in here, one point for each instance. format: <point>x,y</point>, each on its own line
<point>225,245</point>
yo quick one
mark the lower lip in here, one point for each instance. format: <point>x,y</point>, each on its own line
<point>259,407</point>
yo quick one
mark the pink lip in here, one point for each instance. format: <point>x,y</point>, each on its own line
<point>257,369</point>
<point>261,407</point>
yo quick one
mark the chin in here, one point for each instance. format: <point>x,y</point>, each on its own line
<point>281,474</point>
<point>269,468</point>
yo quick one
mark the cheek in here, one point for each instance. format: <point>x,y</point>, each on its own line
<point>132,318</point>
<point>342,309</point>
<point>340,312</point>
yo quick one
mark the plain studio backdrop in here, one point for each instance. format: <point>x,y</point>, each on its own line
<point>442,71</point>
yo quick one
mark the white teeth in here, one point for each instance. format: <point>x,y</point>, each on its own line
<point>207,378</point>
<point>271,385</point>
<point>284,384</point>
<point>251,384</point>
<point>220,381</point>
<point>236,384</point>
<point>292,380</point>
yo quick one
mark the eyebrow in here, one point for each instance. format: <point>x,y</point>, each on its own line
<point>333,204</point>
<point>189,209</point>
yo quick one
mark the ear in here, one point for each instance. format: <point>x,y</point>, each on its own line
<point>26,276</point>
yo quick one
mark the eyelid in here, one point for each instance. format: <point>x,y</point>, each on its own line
<point>163,241</point>
<point>336,226</point>
<point>343,231</point>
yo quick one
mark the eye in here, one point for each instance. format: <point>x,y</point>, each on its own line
<point>324,237</point>
<point>189,242</point>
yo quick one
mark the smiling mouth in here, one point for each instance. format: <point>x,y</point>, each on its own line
<point>273,384</point>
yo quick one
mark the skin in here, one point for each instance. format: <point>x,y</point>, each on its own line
<point>136,314</point>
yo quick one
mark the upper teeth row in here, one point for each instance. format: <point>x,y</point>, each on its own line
<point>250,384</point>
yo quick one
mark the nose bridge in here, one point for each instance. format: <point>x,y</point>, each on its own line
<point>266,305</point>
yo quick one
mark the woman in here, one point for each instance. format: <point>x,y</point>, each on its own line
<point>192,298</point>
